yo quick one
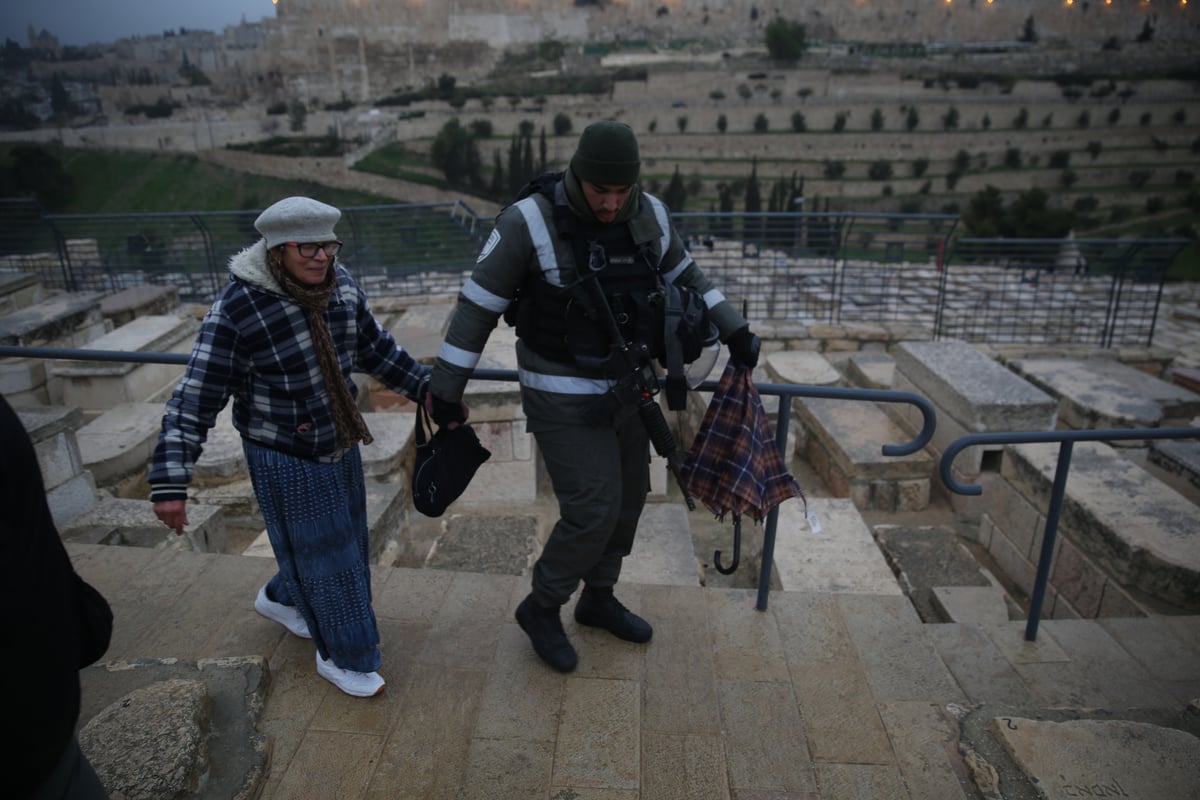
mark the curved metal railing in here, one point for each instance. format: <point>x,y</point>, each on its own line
<point>1066,441</point>
<point>786,392</point>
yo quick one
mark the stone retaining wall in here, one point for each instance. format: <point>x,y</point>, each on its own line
<point>1125,540</point>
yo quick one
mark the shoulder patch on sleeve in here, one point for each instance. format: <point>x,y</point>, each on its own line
<point>489,246</point>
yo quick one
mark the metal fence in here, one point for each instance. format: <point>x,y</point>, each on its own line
<point>393,249</point>
<point>807,267</point>
<point>1102,292</point>
<point>822,267</point>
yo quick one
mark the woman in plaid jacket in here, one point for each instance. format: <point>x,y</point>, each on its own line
<point>282,339</point>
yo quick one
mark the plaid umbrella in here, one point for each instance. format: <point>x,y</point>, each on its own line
<point>734,466</point>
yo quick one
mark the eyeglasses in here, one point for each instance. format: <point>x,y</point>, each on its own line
<point>309,249</point>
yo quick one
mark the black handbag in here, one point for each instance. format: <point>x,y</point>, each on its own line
<point>445,464</point>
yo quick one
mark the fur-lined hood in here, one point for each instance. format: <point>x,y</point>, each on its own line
<point>250,265</point>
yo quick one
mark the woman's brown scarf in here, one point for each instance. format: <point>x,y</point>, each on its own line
<point>351,427</point>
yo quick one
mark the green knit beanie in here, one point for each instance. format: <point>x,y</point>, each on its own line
<point>607,154</point>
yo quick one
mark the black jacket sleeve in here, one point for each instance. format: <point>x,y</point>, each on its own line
<point>54,622</point>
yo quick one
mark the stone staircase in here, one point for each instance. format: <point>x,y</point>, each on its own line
<point>82,460</point>
<point>101,448</point>
<point>39,318</point>
<point>1127,532</point>
<point>96,386</point>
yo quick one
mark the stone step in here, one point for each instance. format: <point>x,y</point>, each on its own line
<point>871,370</point>
<point>479,539</point>
<point>392,448</point>
<point>1100,393</point>
<point>20,290</point>
<point>801,367</point>
<point>841,556</point>
<point>1120,526</point>
<point>72,499</point>
<point>496,544</point>
<point>1178,403</point>
<point>387,514</point>
<point>70,489</point>
<point>237,498</point>
<point>69,319</point>
<point>387,504</point>
<point>62,320</point>
<point>1187,378</point>
<point>52,431</point>
<point>971,604</point>
<point>120,442</point>
<point>101,385</point>
<point>970,393</point>
<point>221,460</point>
<point>1177,463</point>
<point>124,306</point>
<point>844,441</point>
<point>663,552</point>
<point>421,329</point>
<point>898,654</point>
<point>932,559</point>
<point>117,521</point>
<point>861,688</point>
<point>23,381</point>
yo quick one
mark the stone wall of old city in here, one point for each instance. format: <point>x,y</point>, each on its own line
<point>367,48</point>
<point>504,22</point>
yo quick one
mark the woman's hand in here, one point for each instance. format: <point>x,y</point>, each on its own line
<point>173,514</point>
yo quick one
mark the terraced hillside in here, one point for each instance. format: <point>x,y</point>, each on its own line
<point>882,139</point>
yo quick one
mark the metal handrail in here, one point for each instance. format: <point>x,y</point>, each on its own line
<point>1066,441</point>
<point>71,354</point>
<point>783,416</point>
<point>783,391</point>
<point>786,392</point>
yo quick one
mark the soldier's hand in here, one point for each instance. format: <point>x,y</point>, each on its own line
<point>446,413</point>
<point>743,347</point>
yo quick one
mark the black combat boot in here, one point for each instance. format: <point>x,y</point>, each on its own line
<point>545,632</point>
<point>598,608</point>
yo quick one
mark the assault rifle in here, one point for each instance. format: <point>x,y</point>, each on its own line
<point>638,384</point>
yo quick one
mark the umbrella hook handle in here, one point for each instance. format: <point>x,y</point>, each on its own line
<point>737,548</point>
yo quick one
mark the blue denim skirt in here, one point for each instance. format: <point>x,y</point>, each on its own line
<point>316,518</point>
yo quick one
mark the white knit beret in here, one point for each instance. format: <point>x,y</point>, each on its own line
<point>297,219</point>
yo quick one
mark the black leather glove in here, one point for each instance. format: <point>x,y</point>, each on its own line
<point>445,412</point>
<point>743,347</point>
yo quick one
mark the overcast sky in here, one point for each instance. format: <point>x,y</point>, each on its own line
<point>79,22</point>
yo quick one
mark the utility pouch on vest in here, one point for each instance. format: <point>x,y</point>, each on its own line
<point>680,315</point>
<point>685,332</point>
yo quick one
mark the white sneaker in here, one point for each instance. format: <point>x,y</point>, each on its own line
<point>287,616</point>
<point>355,684</point>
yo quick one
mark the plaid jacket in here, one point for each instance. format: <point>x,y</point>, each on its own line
<point>254,345</point>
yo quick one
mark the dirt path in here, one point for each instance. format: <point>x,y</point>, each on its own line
<point>333,172</point>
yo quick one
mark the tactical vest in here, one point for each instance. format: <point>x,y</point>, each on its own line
<point>559,322</point>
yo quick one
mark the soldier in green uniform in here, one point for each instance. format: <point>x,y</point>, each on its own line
<point>590,223</point>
